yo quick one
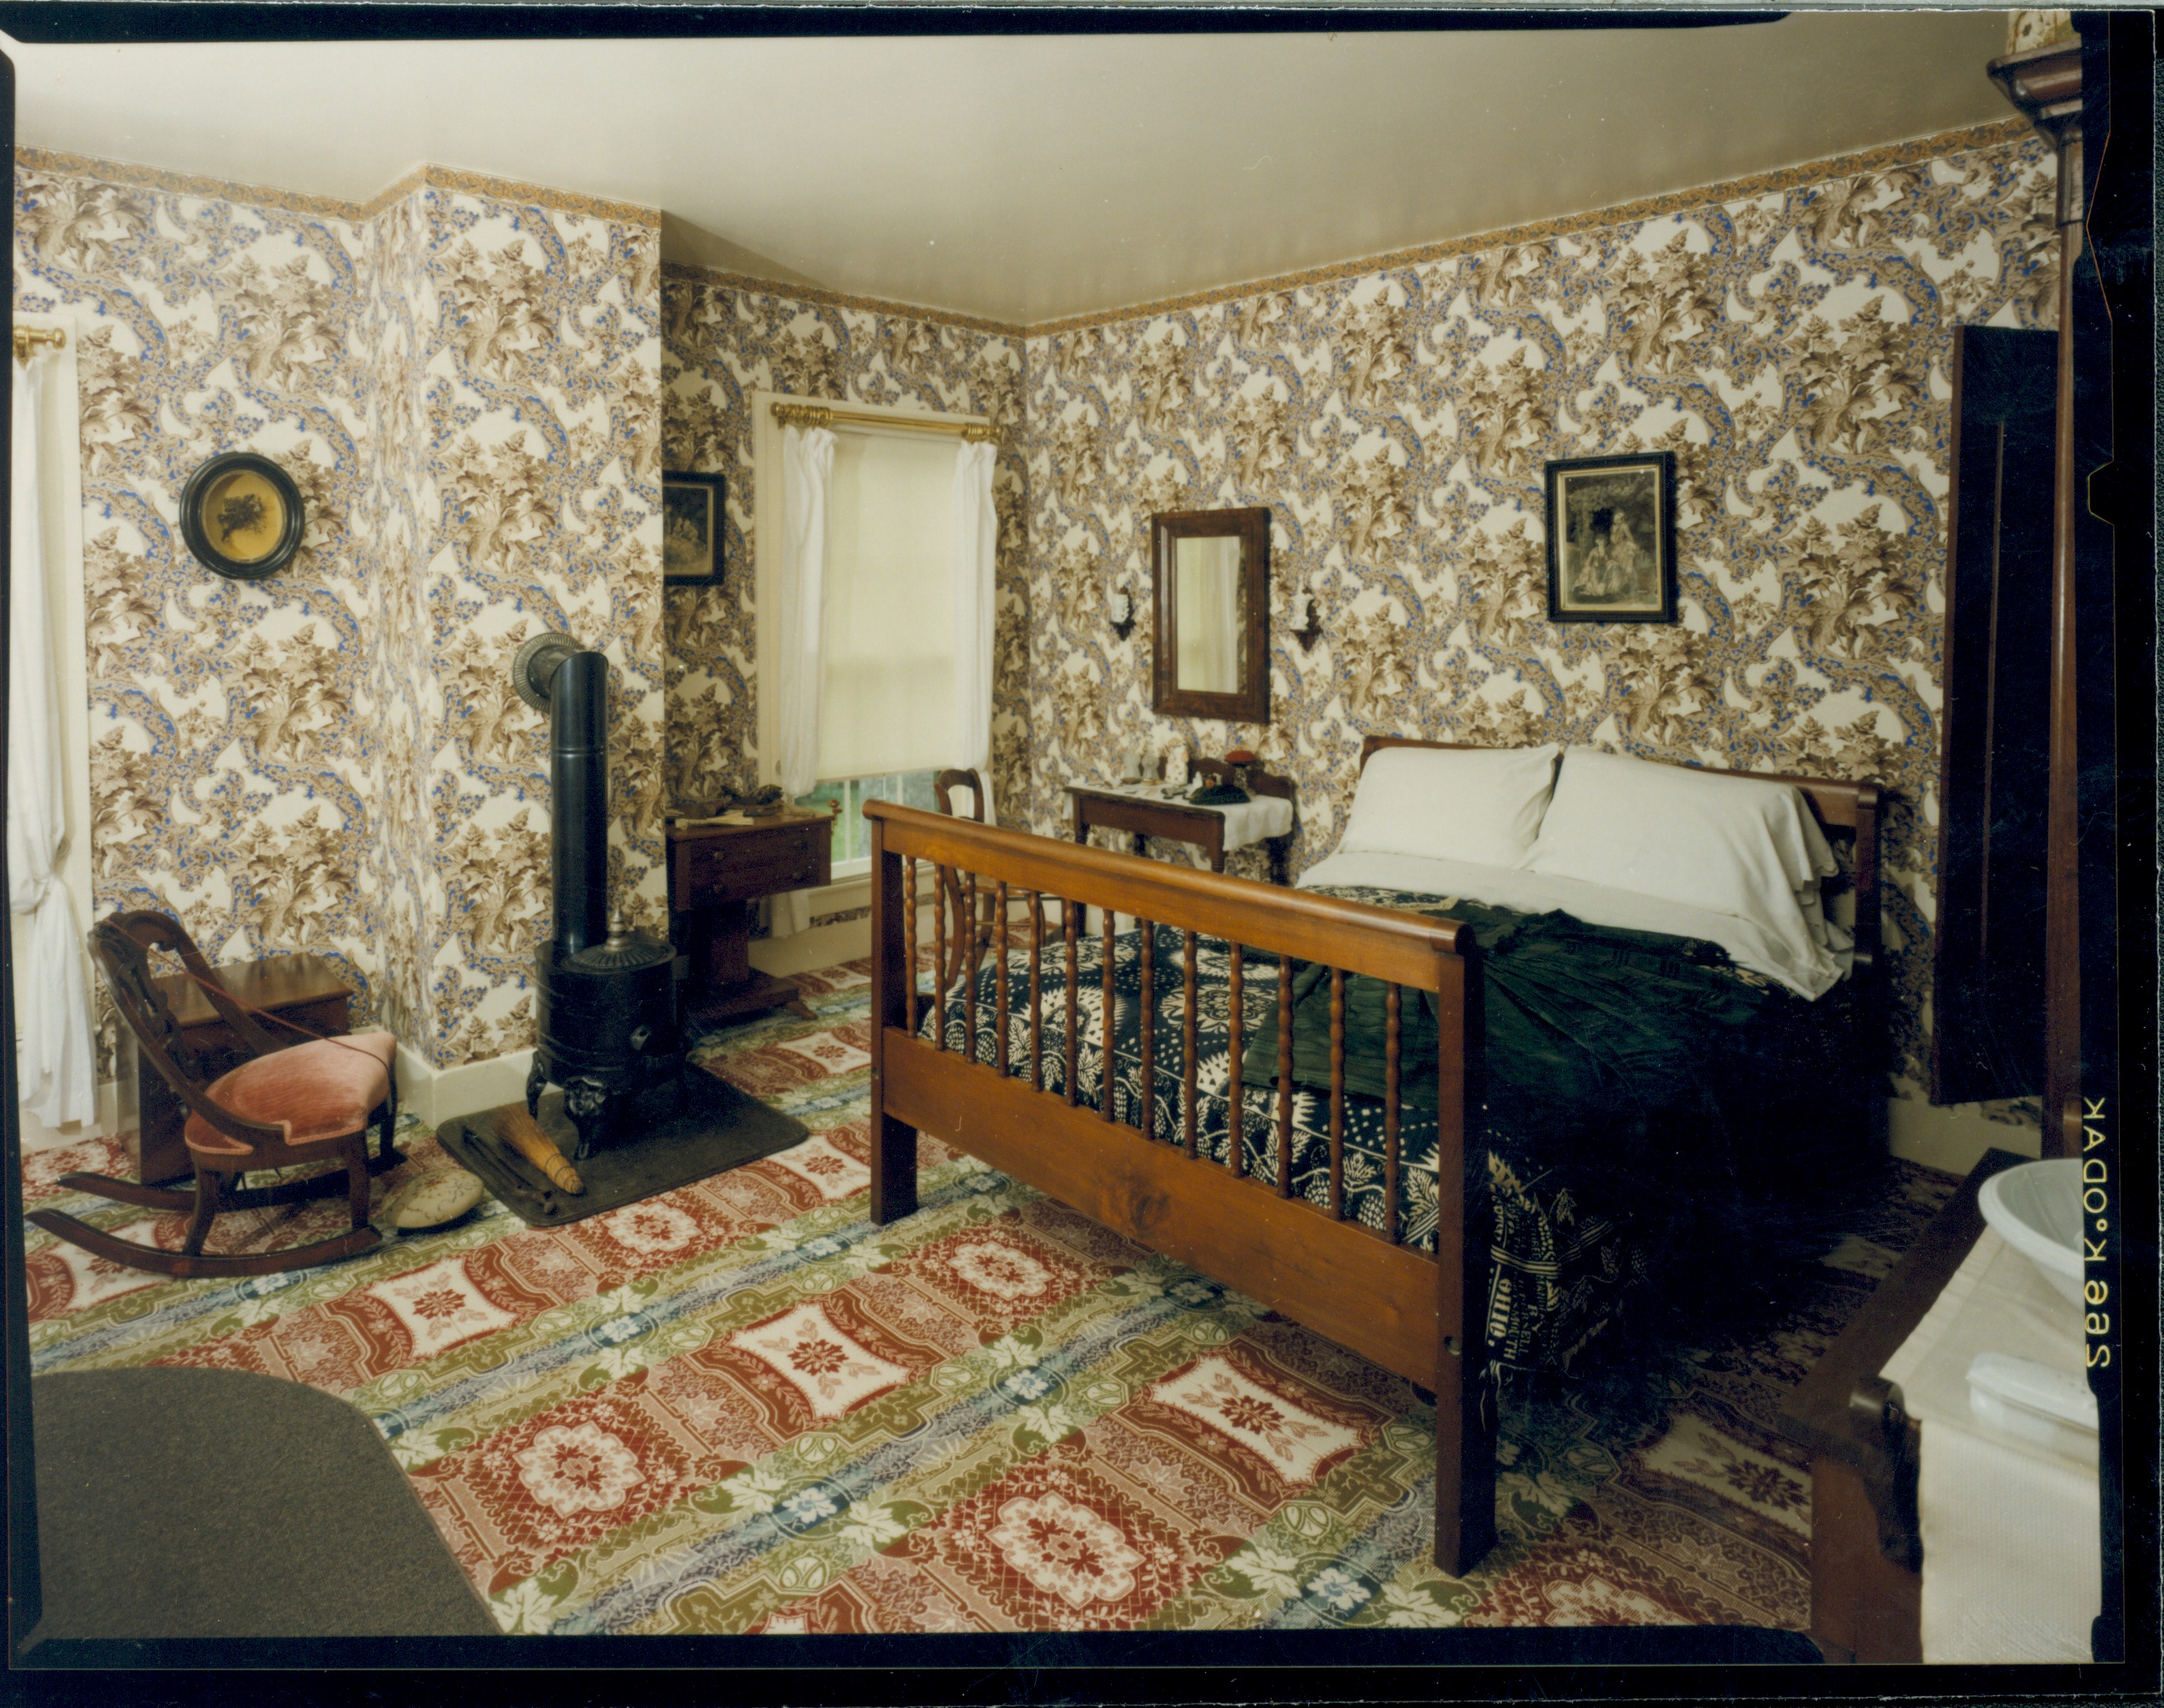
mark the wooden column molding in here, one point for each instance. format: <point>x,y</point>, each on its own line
<point>2045,84</point>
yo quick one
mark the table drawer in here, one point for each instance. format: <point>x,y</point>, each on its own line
<point>751,864</point>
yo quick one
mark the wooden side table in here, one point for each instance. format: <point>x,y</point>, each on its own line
<point>716,872</point>
<point>1175,821</point>
<point>1867,1552</point>
<point>303,989</point>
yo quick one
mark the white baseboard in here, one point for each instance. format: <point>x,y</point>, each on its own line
<point>35,1135</point>
<point>436,1094</point>
<point>1953,1138</point>
<point>829,945</point>
<point>808,951</point>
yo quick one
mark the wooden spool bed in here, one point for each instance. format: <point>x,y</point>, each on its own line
<point>1020,1098</point>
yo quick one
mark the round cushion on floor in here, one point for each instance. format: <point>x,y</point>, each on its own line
<point>441,1195</point>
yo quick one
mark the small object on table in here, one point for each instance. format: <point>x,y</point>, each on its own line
<point>716,872</point>
<point>523,1133</point>
<point>729,807</point>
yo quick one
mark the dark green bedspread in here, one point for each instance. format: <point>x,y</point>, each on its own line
<point>1615,1051</point>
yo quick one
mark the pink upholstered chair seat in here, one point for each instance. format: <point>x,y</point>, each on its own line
<point>314,1091</point>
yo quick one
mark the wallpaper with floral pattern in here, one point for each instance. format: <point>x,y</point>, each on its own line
<point>721,342</point>
<point>463,385</point>
<point>465,379</point>
<point>1790,347</point>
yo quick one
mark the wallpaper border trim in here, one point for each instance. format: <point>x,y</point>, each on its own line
<point>1927,148</point>
<point>691,272</point>
<point>450,178</point>
<point>1933,147</point>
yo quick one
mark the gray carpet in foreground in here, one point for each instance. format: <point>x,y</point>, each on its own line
<point>222,1503</point>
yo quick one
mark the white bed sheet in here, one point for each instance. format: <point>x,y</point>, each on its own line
<point>1790,958</point>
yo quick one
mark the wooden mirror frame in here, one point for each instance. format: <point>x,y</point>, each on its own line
<point>1250,705</point>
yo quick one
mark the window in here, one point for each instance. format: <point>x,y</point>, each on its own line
<point>887,700</point>
<point>874,589</point>
<point>853,836</point>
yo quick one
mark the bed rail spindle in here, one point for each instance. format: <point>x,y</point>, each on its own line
<point>1145,1117</point>
<point>1390,1070</point>
<point>1337,1093</point>
<point>909,940</point>
<point>939,980</point>
<point>1035,1008</point>
<point>1070,918</point>
<point>1108,1088</point>
<point>973,939</point>
<point>1187,1053</point>
<point>1002,1003</point>
<point>1285,1076</point>
<point>1235,1110</point>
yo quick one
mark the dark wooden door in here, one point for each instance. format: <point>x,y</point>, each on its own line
<point>1988,957</point>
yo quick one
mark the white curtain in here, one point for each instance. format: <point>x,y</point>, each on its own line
<point>976,542</point>
<point>807,464</point>
<point>889,703</point>
<point>55,1062</point>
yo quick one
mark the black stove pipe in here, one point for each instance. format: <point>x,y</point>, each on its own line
<point>578,782</point>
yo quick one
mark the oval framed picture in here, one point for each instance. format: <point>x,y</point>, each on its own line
<point>242,514</point>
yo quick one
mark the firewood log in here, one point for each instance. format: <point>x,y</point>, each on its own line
<point>523,1134</point>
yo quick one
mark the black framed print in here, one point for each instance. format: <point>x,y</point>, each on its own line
<point>242,516</point>
<point>691,526</point>
<point>1612,539</point>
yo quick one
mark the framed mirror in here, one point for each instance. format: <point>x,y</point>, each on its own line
<point>1211,571</point>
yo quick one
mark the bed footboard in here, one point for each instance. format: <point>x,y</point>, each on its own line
<point>1414,1311</point>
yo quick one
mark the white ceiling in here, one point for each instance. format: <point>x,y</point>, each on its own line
<point>1026,179</point>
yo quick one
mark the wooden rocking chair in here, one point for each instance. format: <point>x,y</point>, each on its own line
<point>287,1104</point>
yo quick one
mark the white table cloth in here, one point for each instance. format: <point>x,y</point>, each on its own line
<point>1256,820</point>
<point>2011,1530</point>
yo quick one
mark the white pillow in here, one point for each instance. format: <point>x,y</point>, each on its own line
<point>1482,804</point>
<point>1731,843</point>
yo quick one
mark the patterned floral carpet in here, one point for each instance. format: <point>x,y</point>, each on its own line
<point>739,1407</point>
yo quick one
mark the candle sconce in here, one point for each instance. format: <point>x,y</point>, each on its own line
<point>1120,609</point>
<point>1302,620</point>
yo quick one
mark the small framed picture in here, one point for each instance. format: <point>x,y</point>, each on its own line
<point>242,516</point>
<point>1611,539</point>
<point>691,528</point>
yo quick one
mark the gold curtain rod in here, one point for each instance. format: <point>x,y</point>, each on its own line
<point>826,414</point>
<point>30,337</point>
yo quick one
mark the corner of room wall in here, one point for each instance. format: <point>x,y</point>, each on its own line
<point>463,377</point>
<point>1786,337</point>
<point>725,337</point>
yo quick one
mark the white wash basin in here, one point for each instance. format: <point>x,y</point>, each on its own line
<point>2036,1208</point>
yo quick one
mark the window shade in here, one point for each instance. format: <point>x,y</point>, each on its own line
<point>888,694</point>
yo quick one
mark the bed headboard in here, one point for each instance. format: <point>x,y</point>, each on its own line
<point>1849,807</point>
